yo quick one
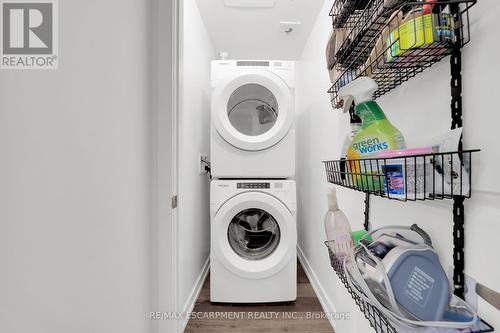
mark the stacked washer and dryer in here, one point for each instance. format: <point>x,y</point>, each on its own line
<point>252,196</point>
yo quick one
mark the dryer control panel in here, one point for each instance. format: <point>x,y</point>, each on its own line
<point>229,69</point>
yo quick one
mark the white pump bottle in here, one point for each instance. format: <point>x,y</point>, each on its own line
<point>337,228</point>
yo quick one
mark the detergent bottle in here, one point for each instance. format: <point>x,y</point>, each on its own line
<point>376,135</point>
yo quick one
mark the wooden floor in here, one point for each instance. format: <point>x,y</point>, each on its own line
<point>294,317</point>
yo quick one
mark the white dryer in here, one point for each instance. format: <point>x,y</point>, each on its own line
<point>253,241</point>
<point>252,119</point>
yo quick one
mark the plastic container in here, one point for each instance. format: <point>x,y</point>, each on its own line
<point>405,152</point>
<point>377,134</point>
<point>405,176</point>
<point>337,228</point>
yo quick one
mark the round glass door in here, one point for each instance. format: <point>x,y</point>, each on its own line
<point>252,109</point>
<point>253,234</point>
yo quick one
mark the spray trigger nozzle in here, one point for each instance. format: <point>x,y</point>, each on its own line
<point>348,100</point>
<point>359,91</point>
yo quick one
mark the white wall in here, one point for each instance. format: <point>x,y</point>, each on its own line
<point>75,178</point>
<point>193,215</point>
<point>421,107</point>
<point>165,20</point>
<point>254,33</point>
<point>318,140</point>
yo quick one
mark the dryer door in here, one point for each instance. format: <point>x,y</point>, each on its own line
<point>254,235</point>
<point>254,110</point>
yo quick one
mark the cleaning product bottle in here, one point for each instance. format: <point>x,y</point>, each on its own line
<point>377,134</point>
<point>337,228</point>
<point>355,123</point>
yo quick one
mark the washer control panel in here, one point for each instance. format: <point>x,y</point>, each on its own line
<point>253,186</point>
<point>221,190</point>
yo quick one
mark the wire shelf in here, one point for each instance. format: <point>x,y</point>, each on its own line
<point>361,30</point>
<point>378,321</point>
<point>393,44</point>
<point>347,13</point>
<point>406,178</point>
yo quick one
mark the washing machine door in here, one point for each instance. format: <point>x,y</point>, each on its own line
<point>254,235</point>
<point>254,110</point>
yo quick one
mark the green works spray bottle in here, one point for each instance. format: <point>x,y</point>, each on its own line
<point>377,134</point>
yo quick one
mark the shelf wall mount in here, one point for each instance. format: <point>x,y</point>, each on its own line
<point>458,201</point>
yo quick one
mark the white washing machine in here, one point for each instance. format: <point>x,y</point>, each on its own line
<point>253,241</point>
<point>252,119</point>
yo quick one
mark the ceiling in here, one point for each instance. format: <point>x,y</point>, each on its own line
<point>254,33</point>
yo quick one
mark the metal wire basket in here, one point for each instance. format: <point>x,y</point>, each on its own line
<point>406,178</point>
<point>378,321</point>
<point>393,44</point>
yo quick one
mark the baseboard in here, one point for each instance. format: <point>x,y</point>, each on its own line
<point>323,297</point>
<point>195,292</point>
